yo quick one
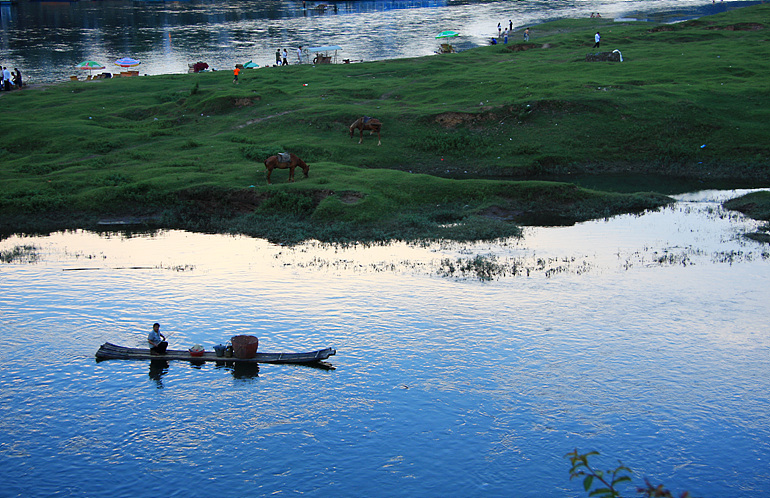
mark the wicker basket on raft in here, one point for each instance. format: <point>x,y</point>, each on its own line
<point>245,346</point>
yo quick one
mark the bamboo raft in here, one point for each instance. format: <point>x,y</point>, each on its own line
<point>108,351</point>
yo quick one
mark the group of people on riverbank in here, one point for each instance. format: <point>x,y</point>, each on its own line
<point>282,59</point>
<point>503,33</point>
<point>10,80</point>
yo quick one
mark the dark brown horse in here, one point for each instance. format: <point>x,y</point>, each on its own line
<point>365,123</point>
<point>285,160</point>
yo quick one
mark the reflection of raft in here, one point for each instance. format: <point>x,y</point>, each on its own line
<point>109,351</point>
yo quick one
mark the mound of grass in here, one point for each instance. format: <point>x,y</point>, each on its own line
<point>755,205</point>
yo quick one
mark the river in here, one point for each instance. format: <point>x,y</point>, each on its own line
<point>644,337</point>
<point>47,39</point>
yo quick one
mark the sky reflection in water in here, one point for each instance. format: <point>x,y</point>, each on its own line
<point>444,386</point>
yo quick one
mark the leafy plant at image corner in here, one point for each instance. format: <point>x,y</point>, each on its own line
<point>604,483</point>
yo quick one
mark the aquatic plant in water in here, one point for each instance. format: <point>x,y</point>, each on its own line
<point>20,254</point>
<point>604,484</point>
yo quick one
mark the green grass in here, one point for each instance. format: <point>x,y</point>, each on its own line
<point>755,205</point>
<point>689,101</point>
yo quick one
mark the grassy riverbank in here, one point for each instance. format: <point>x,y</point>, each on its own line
<point>755,205</point>
<point>469,139</point>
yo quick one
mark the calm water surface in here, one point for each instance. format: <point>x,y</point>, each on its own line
<point>45,40</point>
<point>643,337</point>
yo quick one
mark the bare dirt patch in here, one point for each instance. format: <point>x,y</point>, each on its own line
<point>259,120</point>
<point>454,119</point>
<point>350,197</point>
<point>553,107</point>
<point>743,26</point>
<point>521,47</point>
<point>244,102</point>
<point>235,201</point>
<point>501,214</point>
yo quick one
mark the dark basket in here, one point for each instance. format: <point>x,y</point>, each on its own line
<point>245,346</point>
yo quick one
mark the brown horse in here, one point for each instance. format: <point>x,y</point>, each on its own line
<point>285,160</point>
<point>365,123</point>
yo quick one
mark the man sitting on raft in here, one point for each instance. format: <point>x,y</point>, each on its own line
<point>157,345</point>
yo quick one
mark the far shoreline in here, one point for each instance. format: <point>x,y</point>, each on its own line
<point>668,16</point>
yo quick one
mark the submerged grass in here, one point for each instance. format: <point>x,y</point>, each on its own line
<point>467,138</point>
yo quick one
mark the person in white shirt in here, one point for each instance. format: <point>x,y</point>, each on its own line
<point>157,340</point>
<point>6,79</point>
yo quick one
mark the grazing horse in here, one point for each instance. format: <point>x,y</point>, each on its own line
<point>285,160</point>
<point>366,123</point>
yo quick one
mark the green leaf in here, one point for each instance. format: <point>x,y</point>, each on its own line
<point>601,492</point>
<point>587,482</point>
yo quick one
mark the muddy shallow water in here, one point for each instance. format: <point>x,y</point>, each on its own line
<point>643,337</point>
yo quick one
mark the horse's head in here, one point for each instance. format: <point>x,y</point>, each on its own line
<point>357,124</point>
<point>305,167</point>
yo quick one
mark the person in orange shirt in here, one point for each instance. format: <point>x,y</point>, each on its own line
<point>236,73</point>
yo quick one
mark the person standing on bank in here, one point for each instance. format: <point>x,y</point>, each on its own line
<point>157,340</point>
<point>236,72</point>
<point>526,35</point>
<point>278,57</point>
<point>597,39</point>
<point>7,78</point>
<point>299,54</point>
<point>285,57</point>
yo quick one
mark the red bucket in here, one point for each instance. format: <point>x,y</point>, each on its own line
<point>196,351</point>
<point>245,346</point>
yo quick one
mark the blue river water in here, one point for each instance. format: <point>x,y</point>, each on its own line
<point>644,337</point>
<point>47,39</point>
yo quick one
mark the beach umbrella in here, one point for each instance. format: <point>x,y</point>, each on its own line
<point>127,62</point>
<point>250,65</point>
<point>89,66</point>
<point>447,34</point>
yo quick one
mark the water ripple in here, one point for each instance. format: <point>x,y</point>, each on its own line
<point>660,364</point>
